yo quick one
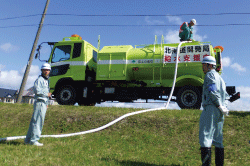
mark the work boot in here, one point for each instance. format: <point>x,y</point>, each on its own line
<point>219,156</point>
<point>206,156</point>
<point>37,144</point>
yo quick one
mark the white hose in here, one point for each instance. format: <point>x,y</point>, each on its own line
<point>114,121</point>
<point>175,73</point>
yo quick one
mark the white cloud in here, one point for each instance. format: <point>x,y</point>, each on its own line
<point>159,32</point>
<point>34,70</point>
<point>238,67</point>
<point>241,104</point>
<point>8,47</point>
<point>12,79</point>
<point>198,37</point>
<point>153,22</point>
<point>244,92</point>
<point>172,36</point>
<point>175,20</point>
<point>226,62</point>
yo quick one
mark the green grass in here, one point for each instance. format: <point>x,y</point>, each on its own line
<point>165,137</point>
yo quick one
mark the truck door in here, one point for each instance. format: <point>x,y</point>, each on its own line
<point>60,63</point>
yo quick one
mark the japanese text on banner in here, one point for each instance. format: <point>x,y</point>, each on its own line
<point>194,53</point>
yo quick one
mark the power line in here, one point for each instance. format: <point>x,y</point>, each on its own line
<point>144,25</point>
<point>19,26</point>
<point>78,25</point>
<point>126,15</point>
<point>143,15</point>
<point>11,18</point>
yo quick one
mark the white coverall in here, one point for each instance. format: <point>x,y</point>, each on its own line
<point>41,90</point>
<point>211,120</point>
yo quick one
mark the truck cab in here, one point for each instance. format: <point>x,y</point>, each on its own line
<point>73,63</point>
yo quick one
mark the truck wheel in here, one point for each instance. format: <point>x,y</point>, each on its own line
<point>66,95</point>
<point>189,97</point>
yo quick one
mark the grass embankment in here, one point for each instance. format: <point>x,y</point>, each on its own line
<point>166,137</point>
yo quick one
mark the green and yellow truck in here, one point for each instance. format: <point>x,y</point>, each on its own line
<point>82,74</point>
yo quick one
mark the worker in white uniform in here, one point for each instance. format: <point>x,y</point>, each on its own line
<point>41,90</point>
<point>214,102</point>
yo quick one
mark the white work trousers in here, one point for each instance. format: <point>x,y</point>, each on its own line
<point>36,123</point>
<point>211,126</point>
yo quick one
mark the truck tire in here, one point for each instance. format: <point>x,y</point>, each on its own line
<point>189,97</point>
<point>66,95</point>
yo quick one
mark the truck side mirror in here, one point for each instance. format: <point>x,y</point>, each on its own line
<point>36,56</point>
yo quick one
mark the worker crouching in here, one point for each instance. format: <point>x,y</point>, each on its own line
<point>186,30</point>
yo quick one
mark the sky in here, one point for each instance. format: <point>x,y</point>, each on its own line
<point>17,33</point>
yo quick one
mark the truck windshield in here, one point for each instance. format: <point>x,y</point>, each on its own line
<point>61,53</point>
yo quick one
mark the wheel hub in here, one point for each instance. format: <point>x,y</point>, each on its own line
<point>189,98</point>
<point>65,95</point>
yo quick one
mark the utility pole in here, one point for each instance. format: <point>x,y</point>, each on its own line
<point>27,70</point>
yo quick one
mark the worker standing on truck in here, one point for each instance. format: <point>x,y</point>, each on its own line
<point>41,90</point>
<point>214,102</point>
<point>186,31</point>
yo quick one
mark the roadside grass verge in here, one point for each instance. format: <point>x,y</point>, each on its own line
<point>165,137</point>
